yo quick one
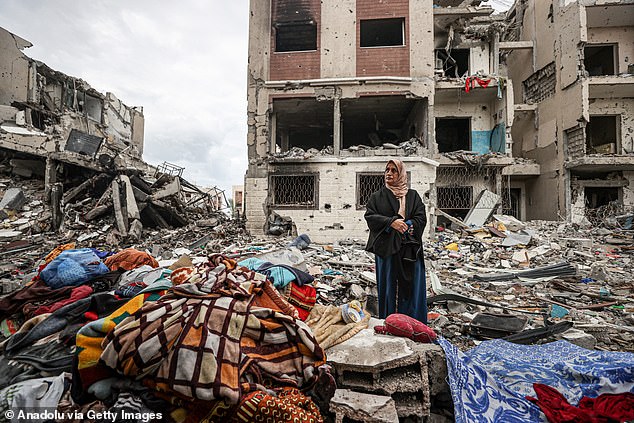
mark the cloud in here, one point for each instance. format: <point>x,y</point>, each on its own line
<point>184,62</point>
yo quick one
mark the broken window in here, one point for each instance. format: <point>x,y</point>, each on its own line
<point>295,36</point>
<point>90,106</point>
<point>382,32</point>
<point>294,191</point>
<point>82,143</point>
<point>453,134</point>
<point>303,122</point>
<point>600,59</point>
<point>376,120</point>
<point>455,201</point>
<point>454,64</point>
<point>602,135</point>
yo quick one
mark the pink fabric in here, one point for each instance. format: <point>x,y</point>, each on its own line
<point>407,327</point>
<point>82,291</point>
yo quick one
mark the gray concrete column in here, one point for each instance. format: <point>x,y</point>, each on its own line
<point>336,125</point>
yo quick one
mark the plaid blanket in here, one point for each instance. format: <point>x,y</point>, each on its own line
<point>90,337</point>
<point>209,339</point>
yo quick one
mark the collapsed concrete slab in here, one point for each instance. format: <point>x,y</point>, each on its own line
<point>388,365</point>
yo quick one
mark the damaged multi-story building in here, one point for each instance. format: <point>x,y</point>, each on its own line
<point>336,88</point>
<point>574,111</point>
<point>52,123</point>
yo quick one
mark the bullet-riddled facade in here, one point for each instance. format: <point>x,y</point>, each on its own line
<point>336,88</point>
<point>574,111</point>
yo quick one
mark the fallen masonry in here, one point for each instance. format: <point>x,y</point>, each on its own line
<point>553,282</point>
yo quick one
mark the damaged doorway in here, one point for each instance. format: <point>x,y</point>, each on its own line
<point>453,134</point>
<point>600,202</point>
<point>375,120</point>
<point>602,135</point>
<point>600,60</point>
<point>302,122</point>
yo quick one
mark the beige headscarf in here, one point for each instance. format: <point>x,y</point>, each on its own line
<point>399,186</point>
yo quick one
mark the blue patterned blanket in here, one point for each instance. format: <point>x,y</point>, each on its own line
<point>489,382</point>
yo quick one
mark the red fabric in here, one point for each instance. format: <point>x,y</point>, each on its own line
<point>77,293</point>
<point>605,408</point>
<point>129,259</point>
<point>471,80</point>
<point>469,84</point>
<point>483,82</point>
<point>90,316</point>
<point>407,327</point>
<point>615,406</point>
<point>303,298</point>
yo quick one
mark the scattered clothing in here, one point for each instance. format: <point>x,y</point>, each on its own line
<point>129,259</point>
<point>219,342</point>
<point>279,274</point>
<point>329,327</point>
<point>303,298</point>
<point>72,268</point>
<point>604,408</point>
<point>76,294</point>
<point>489,383</point>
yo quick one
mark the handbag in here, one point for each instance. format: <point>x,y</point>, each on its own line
<point>405,259</point>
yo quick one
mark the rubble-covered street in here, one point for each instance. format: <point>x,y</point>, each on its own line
<point>537,281</point>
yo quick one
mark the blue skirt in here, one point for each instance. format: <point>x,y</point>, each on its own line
<point>410,300</point>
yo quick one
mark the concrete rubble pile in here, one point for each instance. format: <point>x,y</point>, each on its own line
<point>537,281</point>
<point>106,210</point>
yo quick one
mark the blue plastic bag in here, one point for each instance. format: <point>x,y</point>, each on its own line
<point>72,268</point>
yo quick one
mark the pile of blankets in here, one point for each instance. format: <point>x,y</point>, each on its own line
<point>116,332</point>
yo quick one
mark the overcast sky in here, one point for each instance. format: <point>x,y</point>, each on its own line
<point>184,61</point>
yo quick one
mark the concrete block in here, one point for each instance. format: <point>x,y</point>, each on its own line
<point>362,407</point>
<point>579,338</point>
<point>13,199</point>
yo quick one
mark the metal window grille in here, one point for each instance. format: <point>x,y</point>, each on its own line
<point>453,182</point>
<point>298,191</point>
<point>367,183</point>
<point>454,198</point>
<point>170,169</point>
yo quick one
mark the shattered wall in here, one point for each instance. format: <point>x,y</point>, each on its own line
<point>42,108</point>
<point>622,182</point>
<point>14,68</point>
<point>364,104</point>
<point>623,37</point>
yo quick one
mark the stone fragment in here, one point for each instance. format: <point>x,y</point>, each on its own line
<point>13,199</point>
<point>363,407</point>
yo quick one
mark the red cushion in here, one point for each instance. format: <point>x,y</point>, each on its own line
<point>408,327</point>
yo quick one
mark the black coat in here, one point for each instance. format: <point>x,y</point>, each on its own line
<point>382,210</point>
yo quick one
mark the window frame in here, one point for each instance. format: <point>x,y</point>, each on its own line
<point>296,206</point>
<point>403,35</point>
<point>277,26</point>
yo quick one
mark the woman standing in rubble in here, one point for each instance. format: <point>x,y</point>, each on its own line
<point>396,217</point>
